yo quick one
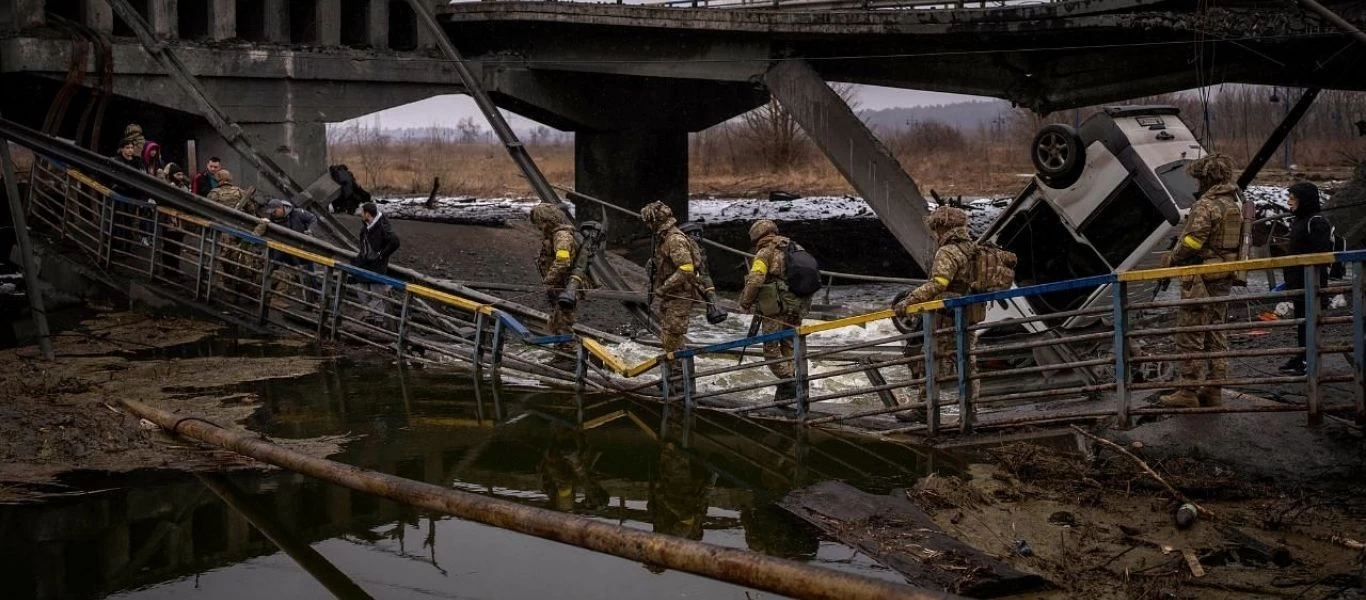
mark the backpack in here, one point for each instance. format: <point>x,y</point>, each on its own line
<point>803,274</point>
<point>993,269</point>
<point>1337,270</point>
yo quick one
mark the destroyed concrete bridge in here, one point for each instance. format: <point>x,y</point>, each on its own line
<point>632,81</point>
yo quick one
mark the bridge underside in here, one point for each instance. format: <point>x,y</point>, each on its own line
<point>1045,57</point>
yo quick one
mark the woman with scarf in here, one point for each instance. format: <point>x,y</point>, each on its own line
<point>1310,233</point>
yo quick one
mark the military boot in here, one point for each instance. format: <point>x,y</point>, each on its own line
<point>1182,398</point>
<point>1210,395</point>
<point>785,391</point>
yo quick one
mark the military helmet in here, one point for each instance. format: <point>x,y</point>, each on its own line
<point>945,218</point>
<point>655,213</point>
<point>1217,168</point>
<point>223,176</point>
<point>545,213</point>
<point>761,228</point>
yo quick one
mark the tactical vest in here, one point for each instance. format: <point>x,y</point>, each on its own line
<point>1227,235</point>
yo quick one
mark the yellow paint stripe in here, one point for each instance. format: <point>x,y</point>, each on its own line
<point>304,254</point>
<point>1257,264</point>
<point>453,300</point>
<point>612,361</point>
<point>932,305</point>
<point>603,420</point>
<point>91,183</point>
<point>189,218</point>
<point>642,367</point>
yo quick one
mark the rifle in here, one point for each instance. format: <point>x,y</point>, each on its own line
<point>592,234</point>
<point>754,323</point>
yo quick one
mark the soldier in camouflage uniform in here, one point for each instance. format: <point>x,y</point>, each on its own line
<point>951,275</point>
<point>770,268</point>
<point>675,283</point>
<point>1212,234</point>
<point>238,260</point>
<point>556,263</point>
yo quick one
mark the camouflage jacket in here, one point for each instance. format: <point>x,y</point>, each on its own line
<point>557,256</point>
<point>951,271</point>
<point>1213,228</point>
<point>234,197</point>
<point>676,259</point>
<point>770,265</point>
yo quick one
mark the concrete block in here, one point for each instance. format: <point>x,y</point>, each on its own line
<point>277,21</point>
<point>222,19</point>
<point>164,17</point>
<point>378,25</point>
<point>99,15</point>
<point>22,14</point>
<point>328,22</point>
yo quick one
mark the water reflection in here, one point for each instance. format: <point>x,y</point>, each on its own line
<point>701,476</point>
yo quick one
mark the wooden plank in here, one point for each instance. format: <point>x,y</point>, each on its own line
<point>897,533</point>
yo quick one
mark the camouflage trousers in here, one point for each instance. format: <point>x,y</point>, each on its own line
<point>673,327</point>
<point>1202,341</point>
<point>790,317</point>
<point>238,265</point>
<point>946,359</point>
<point>561,321</point>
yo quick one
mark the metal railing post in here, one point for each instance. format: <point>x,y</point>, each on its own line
<point>799,374</point>
<point>961,333</point>
<point>1359,339</point>
<point>664,380</point>
<point>930,387</point>
<point>1122,376</point>
<point>213,262</point>
<point>322,303</point>
<point>403,322</point>
<point>580,373</point>
<point>1311,342</point>
<point>105,246</point>
<point>263,309</point>
<point>477,352</point>
<point>337,303</point>
<point>688,385</point>
<point>499,331</point>
<point>155,245</point>
<point>199,264</point>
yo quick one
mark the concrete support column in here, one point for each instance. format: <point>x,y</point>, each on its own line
<point>222,19</point>
<point>632,168</point>
<point>856,153</point>
<point>23,14</point>
<point>164,17</point>
<point>99,16</point>
<point>277,21</point>
<point>377,26</point>
<point>299,148</point>
<point>328,21</point>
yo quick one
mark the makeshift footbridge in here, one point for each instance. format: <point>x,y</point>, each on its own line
<point>130,225</point>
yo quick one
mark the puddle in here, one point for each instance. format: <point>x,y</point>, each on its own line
<point>713,477</point>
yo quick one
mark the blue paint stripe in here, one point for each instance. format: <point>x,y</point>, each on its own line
<point>1033,290</point>
<point>723,346</point>
<point>512,323</point>
<point>547,340</point>
<point>117,197</point>
<point>372,276</point>
<point>1350,256</point>
<point>238,233</point>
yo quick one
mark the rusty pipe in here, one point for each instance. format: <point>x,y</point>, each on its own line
<point>726,564</point>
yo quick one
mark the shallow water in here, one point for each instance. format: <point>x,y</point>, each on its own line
<point>714,478</point>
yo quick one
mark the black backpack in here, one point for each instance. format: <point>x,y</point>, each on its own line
<point>803,274</point>
<point>1337,270</point>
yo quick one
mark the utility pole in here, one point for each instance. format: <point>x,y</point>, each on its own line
<point>35,295</point>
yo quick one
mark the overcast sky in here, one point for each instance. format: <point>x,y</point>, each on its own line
<point>447,110</point>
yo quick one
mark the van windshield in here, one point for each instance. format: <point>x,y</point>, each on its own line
<point>1048,251</point>
<point>1122,223</point>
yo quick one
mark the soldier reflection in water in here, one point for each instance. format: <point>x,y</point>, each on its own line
<point>567,470</point>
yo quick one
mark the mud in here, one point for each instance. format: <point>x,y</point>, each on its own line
<point>64,415</point>
<point>1100,528</point>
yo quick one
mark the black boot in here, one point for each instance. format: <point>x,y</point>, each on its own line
<point>785,391</point>
<point>1294,366</point>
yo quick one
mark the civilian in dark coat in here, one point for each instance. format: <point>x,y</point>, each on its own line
<point>377,243</point>
<point>1310,233</point>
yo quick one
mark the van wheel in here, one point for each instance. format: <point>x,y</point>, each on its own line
<point>1058,155</point>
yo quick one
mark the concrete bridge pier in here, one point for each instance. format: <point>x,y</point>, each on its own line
<point>632,167</point>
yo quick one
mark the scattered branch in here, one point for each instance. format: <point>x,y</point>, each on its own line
<point>1143,465</point>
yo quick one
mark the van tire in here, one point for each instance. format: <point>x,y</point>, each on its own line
<point>1058,155</point>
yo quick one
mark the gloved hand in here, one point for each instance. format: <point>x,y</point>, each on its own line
<point>901,301</point>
